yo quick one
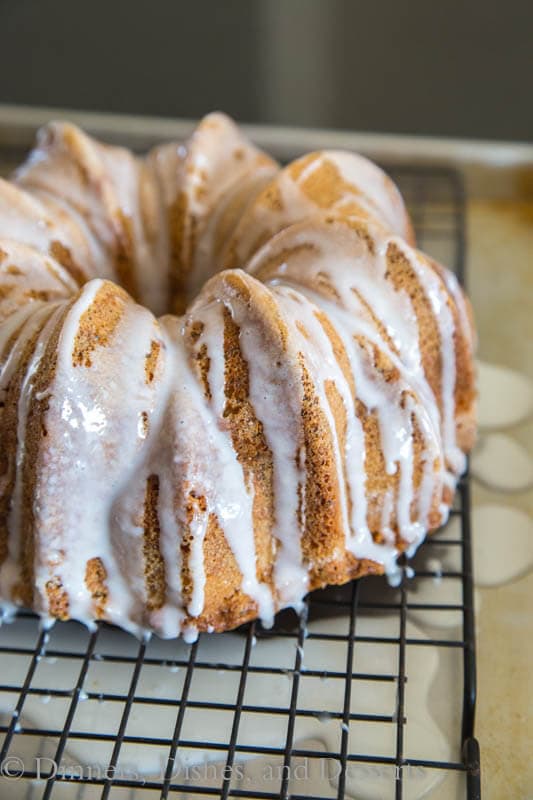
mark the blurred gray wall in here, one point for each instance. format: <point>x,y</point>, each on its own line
<point>417,66</point>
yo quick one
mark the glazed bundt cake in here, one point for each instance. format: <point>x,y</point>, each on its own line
<point>303,421</point>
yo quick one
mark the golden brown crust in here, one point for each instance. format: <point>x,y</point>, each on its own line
<point>95,580</point>
<point>34,444</point>
<point>8,421</point>
<point>63,256</point>
<point>154,565</point>
<point>151,360</point>
<point>182,228</point>
<point>403,278</point>
<point>98,323</point>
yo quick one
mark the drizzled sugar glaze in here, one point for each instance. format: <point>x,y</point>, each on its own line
<point>302,423</point>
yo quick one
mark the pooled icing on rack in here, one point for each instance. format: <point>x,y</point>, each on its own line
<point>302,423</point>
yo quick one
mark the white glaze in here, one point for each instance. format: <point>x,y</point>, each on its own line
<point>83,414</point>
<point>228,494</point>
<point>434,291</point>
<point>278,410</point>
<point>364,185</point>
<point>49,314</point>
<point>332,260</point>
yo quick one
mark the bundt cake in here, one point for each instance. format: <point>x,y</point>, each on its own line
<point>303,421</point>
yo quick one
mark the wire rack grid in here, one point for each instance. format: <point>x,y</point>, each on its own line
<point>75,705</point>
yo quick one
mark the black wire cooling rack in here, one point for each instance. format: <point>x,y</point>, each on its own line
<point>76,705</point>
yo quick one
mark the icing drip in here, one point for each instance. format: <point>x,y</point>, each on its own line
<point>353,299</point>
<point>375,394</point>
<point>342,182</point>
<point>275,396</point>
<point>10,569</point>
<point>198,529</point>
<point>433,288</point>
<point>222,480</point>
<point>95,451</point>
<point>364,183</point>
